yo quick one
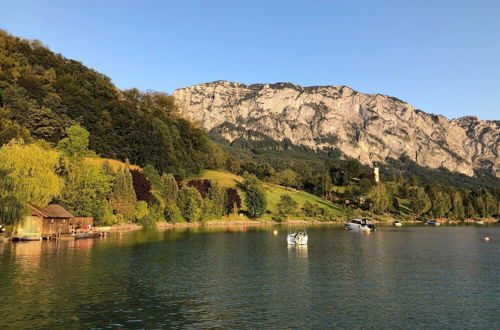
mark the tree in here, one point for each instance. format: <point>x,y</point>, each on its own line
<point>76,142</point>
<point>311,209</point>
<point>218,196</point>
<point>142,186</point>
<point>10,130</point>
<point>233,200</point>
<point>255,201</point>
<point>457,205</point>
<point>201,185</point>
<point>142,210</point>
<point>287,178</point>
<point>150,172</point>
<point>168,188</point>
<point>441,204</point>
<point>123,199</point>
<point>85,190</point>
<point>32,169</point>
<point>12,210</point>
<point>286,206</point>
<point>420,202</point>
<point>380,198</point>
<point>190,203</point>
<point>490,204</point>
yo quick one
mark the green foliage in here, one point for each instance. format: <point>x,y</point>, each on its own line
<point>12,210</point>
<point>287,178</point>
<point>168,188</point>
<point>219,200</point>
<point>33,172</point>
<point>86,186</point>
<point>11,130</point>
<point>43,93</point>
<point>441,204</point>
<point>122,197</point>
<point>173,214</point>
<point>108,218</point>
<point>141,210</point>
<point>457,206</point>
<point>190,204</point>
<point>76,142</point>
<point>311,209</point>
<point>380,199</point>
<point>420,202</point>
<point>286,206</point>
<point>255,200</point>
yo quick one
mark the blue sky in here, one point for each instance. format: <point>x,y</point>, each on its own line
<point>440,56</point>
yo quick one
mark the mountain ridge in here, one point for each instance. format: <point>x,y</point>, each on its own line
<point>369,127</point>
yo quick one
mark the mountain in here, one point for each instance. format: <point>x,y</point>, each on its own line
<point>370,127</point>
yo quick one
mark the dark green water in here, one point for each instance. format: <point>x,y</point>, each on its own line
<point>407,277</point>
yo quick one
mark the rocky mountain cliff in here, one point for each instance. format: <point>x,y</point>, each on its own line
<point>364,126</point>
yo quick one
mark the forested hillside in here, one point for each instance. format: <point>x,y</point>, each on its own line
<point>42,93</point>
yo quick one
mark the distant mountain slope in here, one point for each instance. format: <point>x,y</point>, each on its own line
<point>368,127</point>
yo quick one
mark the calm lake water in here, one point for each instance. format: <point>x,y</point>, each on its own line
<point>407,277</point>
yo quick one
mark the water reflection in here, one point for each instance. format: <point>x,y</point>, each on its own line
<point>298,251</point>
<point>230,277</point>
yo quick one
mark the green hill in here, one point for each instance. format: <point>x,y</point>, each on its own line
<point>273,192</point>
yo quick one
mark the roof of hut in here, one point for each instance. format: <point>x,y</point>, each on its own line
<point>57,211</point>
<point>52,211</point>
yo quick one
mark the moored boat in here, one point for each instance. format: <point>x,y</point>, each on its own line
<point>297,238</point>
<point>397,223</point>
<point>433,223</point>
<point>360,225</point>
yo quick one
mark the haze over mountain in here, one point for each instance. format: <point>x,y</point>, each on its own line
<point>368,127</point>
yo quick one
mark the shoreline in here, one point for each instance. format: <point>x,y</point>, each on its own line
<point>254,223</point>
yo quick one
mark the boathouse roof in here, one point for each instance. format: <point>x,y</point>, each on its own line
<point>52,211</point>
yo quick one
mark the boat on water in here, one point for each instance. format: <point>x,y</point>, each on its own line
<point>432,223</point>
<point>397,223</point>
<point>360,225</point>
<point>480,222</point>
<point>297,238</point>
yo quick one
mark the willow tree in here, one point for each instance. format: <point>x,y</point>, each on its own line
<point>12,210</point>
<point>32,169</point>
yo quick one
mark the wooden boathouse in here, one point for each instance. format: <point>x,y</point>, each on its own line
<point>50,222</point>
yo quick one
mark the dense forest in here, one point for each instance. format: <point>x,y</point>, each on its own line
<point>42,93</point>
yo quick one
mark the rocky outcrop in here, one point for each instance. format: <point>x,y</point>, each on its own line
<point>364,126</point>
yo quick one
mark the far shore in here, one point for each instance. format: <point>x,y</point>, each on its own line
<point>241,223</point>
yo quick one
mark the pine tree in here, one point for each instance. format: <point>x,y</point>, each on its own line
<point>419,201</point>
<point>168,188</point>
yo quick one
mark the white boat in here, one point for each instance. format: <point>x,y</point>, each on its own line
<point>360,225</point>
<point>297,238</point>
<point>432,223</point>
<point>480,222</point>
<point>397,223</point>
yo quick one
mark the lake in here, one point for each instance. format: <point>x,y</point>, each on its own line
<point>408,277</point>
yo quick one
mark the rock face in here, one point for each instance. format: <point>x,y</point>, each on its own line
<point>364,126</point>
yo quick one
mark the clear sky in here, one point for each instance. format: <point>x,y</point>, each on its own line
<point>440,56</point>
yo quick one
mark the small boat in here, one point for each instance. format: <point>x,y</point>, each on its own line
<point>297,238</point>
<point>360,225</point>
<point>432,223</point>
<point>480,222</point>
<point>397,223</point>
<point>89,234</point>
